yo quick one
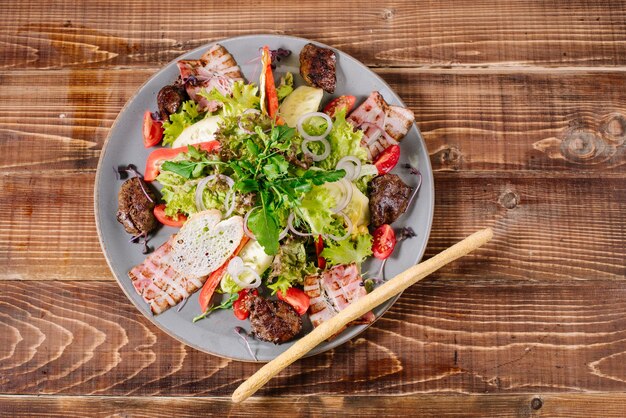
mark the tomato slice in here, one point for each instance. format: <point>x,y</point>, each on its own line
<point>384,241</point>
<point>158,156</point>
<point>239,306</point>
<point>319,247</point>
<point>159,212</point>
<point>299,300</point>
<point>152,130</point>
<point>342,101</point>
<point>387,159</point>
<point>214,278</point>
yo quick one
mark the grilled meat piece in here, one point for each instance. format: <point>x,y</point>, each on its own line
<point>169,100</point>
<point>135,209</point>
<point>318,67</point>
<point>215,69</point>
<point>383,125</point>
<point>389,199</point>
<point>273,320</point>
<point>334,290</point>
<point>160,285</point>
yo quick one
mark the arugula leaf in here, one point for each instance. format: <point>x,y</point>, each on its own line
<point>247,186</point>
<point>263,225</point>
<point>191,165</point>
<point>227,304</point>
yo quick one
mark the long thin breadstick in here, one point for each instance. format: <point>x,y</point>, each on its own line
<point>358,309</point>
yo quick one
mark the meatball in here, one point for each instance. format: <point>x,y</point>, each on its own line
<point>273,320</point>
<point>389,199</point>
<point>135,209</point>
<point>169,100</point>
<point>318,67</point>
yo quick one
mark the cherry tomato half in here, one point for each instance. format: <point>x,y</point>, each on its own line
<point>387,159</point>
<point>158,156</point>
<point>159,212</point>
<point>239,306</point>
<point>342,101</point>
<point>299,300</point>
<point>152,130</point>
<point>384,241</point>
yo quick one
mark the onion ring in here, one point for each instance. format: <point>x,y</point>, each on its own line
<point>316,157</point>
<point>294,230</point>
<point>346,196</point>
<point>344,164</point>
<point>348,232</point>
<point>306,116</point>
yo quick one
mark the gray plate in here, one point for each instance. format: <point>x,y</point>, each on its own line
<point>124,145</point>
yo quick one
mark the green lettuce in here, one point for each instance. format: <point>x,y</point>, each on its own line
<point>289,267</point>
<point>353,250</point>
<point>344,141</point>
<point>243,97</point>
<point>316,207</point>
<point>285,87</point>
<point>187,115</point>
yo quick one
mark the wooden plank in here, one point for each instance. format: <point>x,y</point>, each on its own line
<point>400,33</point>
<point>530,405</point>
<point>540,225</point>
<point>508,122</point>
<point>443,336</point>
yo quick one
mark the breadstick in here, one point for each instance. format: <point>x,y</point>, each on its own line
<point>379,295</point>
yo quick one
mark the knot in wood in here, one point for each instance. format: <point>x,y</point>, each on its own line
<point>613,128</point>
<point>536,403</point>
<point>450,158</point>
<point>509,199</point>
<point>388,14</point>
<point>583,146</point>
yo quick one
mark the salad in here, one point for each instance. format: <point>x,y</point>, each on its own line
<point>278,203</point>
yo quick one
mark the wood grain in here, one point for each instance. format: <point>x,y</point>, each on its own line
<point>445,336</point>
<point>521,104</point>
<point>394,33</point>
<point>503,406</point>
<point>510,122</point>
<point>540,226</point>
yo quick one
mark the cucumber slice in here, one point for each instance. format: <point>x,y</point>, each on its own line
<point>302,100</point>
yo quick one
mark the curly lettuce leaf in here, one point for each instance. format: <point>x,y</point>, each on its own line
<point>354,250</point>
<point>316,207</point>
<point>285,87</point>
<point>187,115</point>
<point>243,97</point>
<point>289,267</point>
<point>344,141</point>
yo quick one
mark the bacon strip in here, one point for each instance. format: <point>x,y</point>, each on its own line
<point>159,284</point>
<point>215,69</point>
<point>333,291</point>
<point>382,125</point>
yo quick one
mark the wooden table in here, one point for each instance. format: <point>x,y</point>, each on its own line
<point>523,107</point>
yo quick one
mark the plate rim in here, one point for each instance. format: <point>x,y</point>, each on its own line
<point>105,146</point>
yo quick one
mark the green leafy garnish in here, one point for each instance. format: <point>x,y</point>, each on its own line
<point>262,168</point>
<point>227,304</point>
<point>285,87</point>
<point>192,164</point>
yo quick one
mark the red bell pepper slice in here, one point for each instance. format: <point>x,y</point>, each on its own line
<point>158,156</point>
